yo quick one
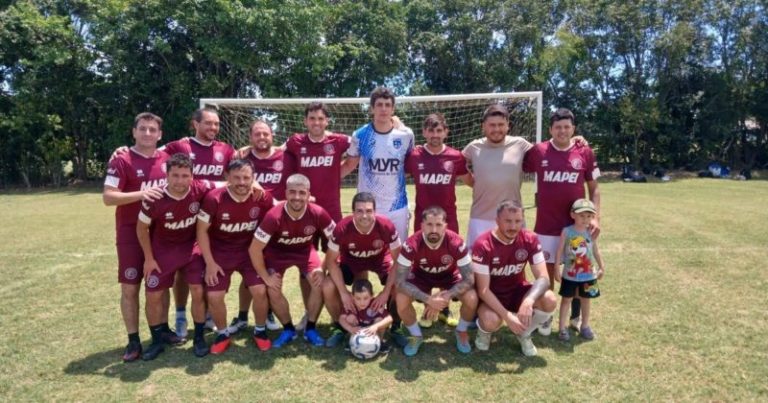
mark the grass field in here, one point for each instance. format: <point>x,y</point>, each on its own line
<point>682,317</point>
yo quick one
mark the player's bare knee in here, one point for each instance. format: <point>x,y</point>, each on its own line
<point>547,302</point>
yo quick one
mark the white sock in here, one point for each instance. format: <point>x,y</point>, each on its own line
<point>463,325</point>
<point>414,329</point>
<point>537,319</point>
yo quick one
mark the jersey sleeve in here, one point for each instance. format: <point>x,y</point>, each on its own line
<point>407,254</point>
<point>267,227</point>
<point>290,159</point>
<point>145,213</point>
<point>354,145</point>
<point>389,232</point>
<point>326,223</point>
<point>535,252</point>
<point>530,159</point>
<point>461,165</point>
<point>116,174</point>
<point>480,263</point>
<point>208,209</point>
<point>592,171</point>
<point>460,252</point>
<point>334,239</point>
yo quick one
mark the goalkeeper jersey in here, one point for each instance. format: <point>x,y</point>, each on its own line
<point>382,164</point>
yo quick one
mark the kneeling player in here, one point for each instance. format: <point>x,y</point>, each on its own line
<point>364,316</point>
<point>362,242</point>
<point>499,257</point>
<point>435,257</point>
<point>284,239</point>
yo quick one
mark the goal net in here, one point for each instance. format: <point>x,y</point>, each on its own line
<point>462,112</point>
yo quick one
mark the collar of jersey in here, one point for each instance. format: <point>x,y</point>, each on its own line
<point>285,208</point>
<point>201,143</point>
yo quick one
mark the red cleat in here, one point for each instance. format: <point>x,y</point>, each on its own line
<point>262,344</point>
<point>221,344</point>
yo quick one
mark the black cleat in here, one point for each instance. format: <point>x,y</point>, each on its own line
<point>132,352</point>
<point>153,351</point>
<point>171,338</point>
<point>200,348</point>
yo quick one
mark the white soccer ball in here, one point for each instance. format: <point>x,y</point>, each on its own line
<point>363,346</point>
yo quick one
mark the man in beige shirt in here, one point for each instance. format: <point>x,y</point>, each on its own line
<point>496,162</point>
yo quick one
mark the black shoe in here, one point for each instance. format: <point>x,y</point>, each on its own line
<point>200,348</point>
<point>132,352</point>
<point>384,348</point>
<point>171,338</point>
<point>153,351</point>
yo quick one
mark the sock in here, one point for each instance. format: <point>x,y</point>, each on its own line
<point>156,331</point>
<point>575,308</point>
<point>165,327</point>
<point>289,326</point>
<point>463,325</point>
<point>199,330</point>
<point>224,333</point>
<point>242,316</point>
<point>260,331</point>
<point>181,311</point>
<point>537,319</point>
<point>133,338</point>
<point>310,325</point>
<point>414,329</point>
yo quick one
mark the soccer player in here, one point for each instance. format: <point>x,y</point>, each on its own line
<point>499,258</point>
<point>132,176</point>
<point>562,166</point>
<point>267,160</point>
<point>496,162</point>
<point>381,147</point>
<point>166,233</point>
<point>435,257</point>
<point>225,224</point>
<point>361,243</point>
<point>285,238</point>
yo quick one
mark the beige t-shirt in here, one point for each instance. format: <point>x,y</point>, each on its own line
<point>498,172</point>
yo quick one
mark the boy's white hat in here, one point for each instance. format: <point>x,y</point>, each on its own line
<point>582,205</point>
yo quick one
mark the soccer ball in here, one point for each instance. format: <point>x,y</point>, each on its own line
<point>363,346</point>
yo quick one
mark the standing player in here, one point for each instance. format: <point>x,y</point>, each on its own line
<point>132,176</point>
<point>562,166</point>
<point>496,162</point>
<point>166,233</point>
<point>381,149</point>
<point>361,243</point>
<point>285,238</point>
<point>225,224</point>
<point>435,257</point>
<point>499,257</point>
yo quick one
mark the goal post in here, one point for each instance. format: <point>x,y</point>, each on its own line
<point>463,113</point>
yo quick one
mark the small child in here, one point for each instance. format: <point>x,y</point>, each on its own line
<point>583,266</point>
<point>364,318</point>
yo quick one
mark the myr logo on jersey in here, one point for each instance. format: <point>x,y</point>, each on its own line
<point>384,164</point>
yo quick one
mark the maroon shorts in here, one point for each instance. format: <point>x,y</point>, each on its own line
<point>130,263</point>
<point>350,271</point>
<point>512,299</point>
<point>240,263</point>
<point>427,284</point>
<point>170,260</point>
<point>305,263</point>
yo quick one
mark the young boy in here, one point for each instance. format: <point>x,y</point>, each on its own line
<point>364,318</point>
<point>583,267</point>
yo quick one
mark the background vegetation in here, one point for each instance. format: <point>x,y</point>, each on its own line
<point>654,82</point>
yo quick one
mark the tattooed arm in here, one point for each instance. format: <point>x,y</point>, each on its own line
<point>467,281</point>
<point>407,288</point>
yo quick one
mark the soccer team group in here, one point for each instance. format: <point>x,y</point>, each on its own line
<point>195,211</point>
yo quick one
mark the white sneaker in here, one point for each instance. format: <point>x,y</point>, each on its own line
<point>483,340</point>
<point>526,345</point>
<point>236,325</point>
<point>545,329</point>
<point>302,323</point>
<point>576,322</point>
<point>272,323</point>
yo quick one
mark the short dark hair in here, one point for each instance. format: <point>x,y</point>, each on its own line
<point>197,116</point>
<point>382,92</point>
<point>239,163</point>
<point>361,285</point>
<point>434,120</point>
<point>148,116</point>
<point>316,106</point>
<point>260,121</point>
<point>178,160</point>
<point>363,197</point>
<point>495,110</point>
<point>434,210</point>
<point>562,114</point>
<point>510,205</point>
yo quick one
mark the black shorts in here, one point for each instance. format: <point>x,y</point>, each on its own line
<point>586,289</point>
<point>349,277</point>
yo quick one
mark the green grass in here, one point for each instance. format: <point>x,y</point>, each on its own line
<point>682,316</point>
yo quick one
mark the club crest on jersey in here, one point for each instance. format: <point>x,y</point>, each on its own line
<point>448,166</point>
<point>194,207</point>
<point>218,156</point>
<point>277,165</point>
<point>131,273</point>
<point>521,254</point>
<point>397,144</point>
<point>446,259</point>
<point>254,212</point>
<point>576,164</point>
<point>329,149</point>
<point>378,243</point>
<point>153,281</point>
<point>309,230</point>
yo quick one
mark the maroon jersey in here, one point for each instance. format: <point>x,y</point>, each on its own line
<point>208,161</point>
<point>269,172</point>
<point>437,266</point>
<point>560,178</point>
<point>173,220</point>
<point>288,238</point>
<point>368,316</point>
<point>321,163</point>
<point>505,262</point>
<point>369,251</point>
<point>231,222</point>
<point>435,178</point>
<point>131,172</point>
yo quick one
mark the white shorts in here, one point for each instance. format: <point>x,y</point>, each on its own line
<point>477,227</point>
<point>549,245</point>
<point>401,218</point>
